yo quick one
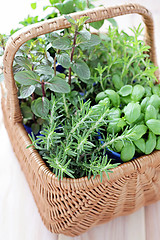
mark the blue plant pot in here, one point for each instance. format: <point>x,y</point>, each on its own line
<point>111,154</point>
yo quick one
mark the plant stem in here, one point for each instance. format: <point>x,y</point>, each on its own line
<point>87,3</point>
<point>72,53</point>
<point>43,89</point>
<point>55,65</point>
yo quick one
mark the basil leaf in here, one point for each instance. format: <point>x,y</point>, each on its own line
<point>113,96</point>
<point>137,132</point>
<point>150,143</point>
<point>128,151</point>
<point>154,126</point>
<point>137,93</point>
<point>125,90</point>
<point>132,112</point>
<point>86,34</point>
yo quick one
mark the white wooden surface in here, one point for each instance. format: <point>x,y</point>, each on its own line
<point>19,217</point>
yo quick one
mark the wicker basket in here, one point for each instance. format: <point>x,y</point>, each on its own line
<point>72,206</point>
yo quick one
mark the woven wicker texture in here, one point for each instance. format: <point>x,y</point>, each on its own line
<point>72,206</point>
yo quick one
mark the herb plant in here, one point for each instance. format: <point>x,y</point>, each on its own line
<point>86,96</point>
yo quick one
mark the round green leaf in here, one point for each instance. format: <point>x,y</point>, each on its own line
<point>140,144</point>
<point>81,69</point>
<point>113,96</point>
<point>137,132</point>
<point>40,107</point>
<point>154,126</point>
<point>150,113</point>
<point>155,101</point>
<point>128,151</point>
<point>137,93</point>
<point>150,143</point>
<point>132,112</point>
<point>125,90</point>
<point>118,83</point>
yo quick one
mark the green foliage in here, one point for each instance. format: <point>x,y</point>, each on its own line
<point>107,87</point>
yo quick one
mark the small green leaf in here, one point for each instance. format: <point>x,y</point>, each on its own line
<point>26,91</point>
<point>40,107</point>
<point>158,143</point>
<point>140,144</point>
<point>57,84</point>
<point>62,43</point>
<point>66,7</point>
<point>150,143</point>
<point>86,34</point>
<point>137,93</point>
<point>137,132</point>
<point>82,20</point>
<point>125,90</point>
<point>150,113</point>
<point>132,112</point>
<point>128,151</point>
<point>33,5</point>
<point>154,126</point>
<point>70,19</point>
<point>81,69</point>
<point>118,83</point>
<point>118,145</point>
<point>113,96</point>
<point>94,41</point>
<point>113,22</point>
<point>35,128</point>
<point>44,70</point>
<point>155,101</point>
<point>26,112</point>
<point>64,60</point>
<point>100,96</point>
<point>97,25</point>
<point>24,62</point>
<point>27,77</point>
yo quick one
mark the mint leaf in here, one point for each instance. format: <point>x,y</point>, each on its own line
<point>62,43</point>
<point>44,70</point>
<point>24,62</point>
<point>64,60</point>
<point>86,34</point>
<point>94,40</point>
<point>97,25</point>
<point>33,5</point>
<point>26,91</point>
<point>57,84</point>
<point>81,69</point>
<point>27,77</point>
<point>40,107</point>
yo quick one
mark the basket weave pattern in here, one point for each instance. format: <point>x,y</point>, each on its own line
<point>72,206</point>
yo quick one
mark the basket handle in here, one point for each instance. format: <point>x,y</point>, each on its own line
<point>35,30</point>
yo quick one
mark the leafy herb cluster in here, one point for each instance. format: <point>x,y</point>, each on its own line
<point>84,94</point>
